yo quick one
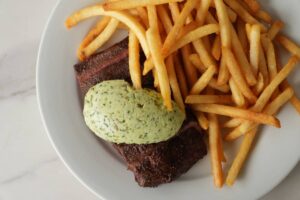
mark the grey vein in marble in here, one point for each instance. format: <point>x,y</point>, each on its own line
<point>28,171</point>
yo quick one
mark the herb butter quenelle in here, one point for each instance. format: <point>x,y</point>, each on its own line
<point>118,113</point>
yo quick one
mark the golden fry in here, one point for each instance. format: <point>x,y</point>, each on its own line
<point>236,94</point>
<point>203,80</point>
<point>203,11</point>
<point>153,39</point>
<point>253,5</point>
<point>174,83</point>
<point>189,69</point>
<point>172,36</point>
<point>254,41</point>
<point>234,122</point>
<point>258,88</point>
<point>199,99</point>
<point>128,4</point>
<point>123,17</point>
<point>275,29</point>
<point>238,113</point>
<point>181,77</point>
<point>224,22</point>
<point>240,157</point>
<point>242,59</point>
<point>243,13</point>
<point>287,43</point>
<point>101,39</point>
<point>264,16</point>
<point>204,55</point>
<point>265,97</point>
<point>192,36</point>
<point>223,76</point>
<point>134,60</point>
<point>93,33</point>
<point>195,60</point>
<point>216,48</point>
<point>202,120</point>
<point>213,138</point>
<point>237,75</point>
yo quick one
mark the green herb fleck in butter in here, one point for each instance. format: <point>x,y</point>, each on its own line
<point>116,112</point>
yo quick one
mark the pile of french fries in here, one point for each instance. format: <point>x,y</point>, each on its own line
<point>219,57</point>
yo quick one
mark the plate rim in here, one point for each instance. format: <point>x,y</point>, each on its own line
<point>53,144</point>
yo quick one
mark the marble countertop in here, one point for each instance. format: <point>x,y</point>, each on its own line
<point>29,167</point>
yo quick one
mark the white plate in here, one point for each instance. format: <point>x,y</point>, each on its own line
<point>98,167</point>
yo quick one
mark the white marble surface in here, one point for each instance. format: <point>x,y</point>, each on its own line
<point>29,167</point>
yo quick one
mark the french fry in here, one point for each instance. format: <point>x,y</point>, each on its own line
<point>210,19</point>
<point>231,14</point>
<point>123,17</point>
<point>155,77</point>
<point>143,15</point>
<point>172,36</point>
<point>203,81</point>
<point>275,29</point>
<point>195,60</point>
<point>254,52</point>
<point>216,48</point>
<point>134,60</point>
<point>199,99</point>
<point>237,75</point>
<point>287,43</point>
<point>222,88</point>
<point>242,36</point>
<point>203,11</point>
<point>223,76</point>
<point>234,122</point>
<point>194,35</point>
<point>93,33</point>
<point>174,83</point>
<point>264,97</point>
<point>279,101</point>
<point>202,120</point>
<point>204,55</point>
<point>296,103</point>
<point>264,16</point>
<point>153,39</point>
<point>263,68</point>
<point>164,18</point>
<point>213,138</point>
<point>103,37</point>
<point>240,158</point>
<point>258,88</point>
<point>153,19</point>
<point>190,37</point>
<point>225,24</point>
<point>129,4</point>
<point>189,69</point>
<point>230,111</point>
<point>175,12</point>
<point>242,59</point>
<point>271,58</point>
<point>237,96</point>
<point>243,13</point>
<point>181,77</point>
<point>253,5</point>
<point>207,44</point>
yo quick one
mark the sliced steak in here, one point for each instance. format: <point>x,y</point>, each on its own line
<point>152,164</point>
<point>111,64</point>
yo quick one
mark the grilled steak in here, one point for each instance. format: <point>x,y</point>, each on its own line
<point>111,64</point>
<point>152,164</point>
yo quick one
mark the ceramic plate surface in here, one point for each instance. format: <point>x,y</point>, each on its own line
<point>97,165</point>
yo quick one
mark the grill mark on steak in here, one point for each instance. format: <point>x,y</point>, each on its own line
<point>152,164</point>
<point>111,64</point>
